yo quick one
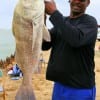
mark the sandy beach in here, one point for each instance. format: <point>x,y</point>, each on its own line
<point>41,86</point>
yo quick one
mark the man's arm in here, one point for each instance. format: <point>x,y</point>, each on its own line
<point>46,45</point>
<point>75,36</point>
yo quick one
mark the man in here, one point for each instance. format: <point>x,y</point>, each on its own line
<point>71,64</point>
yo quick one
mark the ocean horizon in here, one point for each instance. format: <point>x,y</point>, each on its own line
<point>7,43</point>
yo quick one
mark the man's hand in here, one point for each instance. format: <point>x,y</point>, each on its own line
<point>50,7</point>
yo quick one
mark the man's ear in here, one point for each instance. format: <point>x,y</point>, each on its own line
<point>88,2</point>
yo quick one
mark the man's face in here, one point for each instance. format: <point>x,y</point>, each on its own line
<point>78,6</point>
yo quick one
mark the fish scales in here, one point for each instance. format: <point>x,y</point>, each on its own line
<point>29,30</point>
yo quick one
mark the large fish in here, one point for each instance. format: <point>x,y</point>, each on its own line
<point>28,26</point>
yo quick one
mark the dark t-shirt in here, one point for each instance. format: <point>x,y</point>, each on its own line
<point>72,50</point>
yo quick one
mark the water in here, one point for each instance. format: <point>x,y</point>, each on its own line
<point>7,43</point>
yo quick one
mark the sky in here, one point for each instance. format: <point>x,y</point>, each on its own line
<point>7,10</point>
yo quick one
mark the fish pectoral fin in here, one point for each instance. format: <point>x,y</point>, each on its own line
<point>46,34</point>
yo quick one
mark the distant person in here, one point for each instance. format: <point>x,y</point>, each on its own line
<point>16,70</point>
<point>71,63</point>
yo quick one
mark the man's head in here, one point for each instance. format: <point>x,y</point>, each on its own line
<point>78,7</point>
